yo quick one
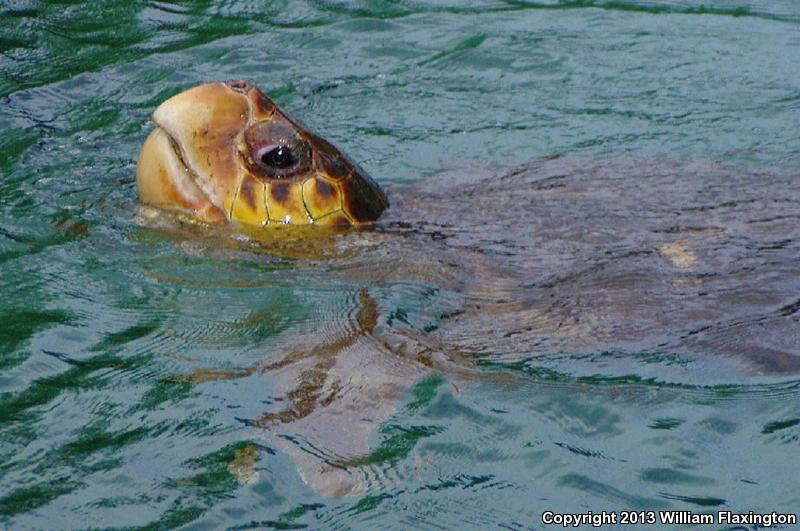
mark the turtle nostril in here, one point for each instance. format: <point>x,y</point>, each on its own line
<point>280,157</point>
<point>239,85</point>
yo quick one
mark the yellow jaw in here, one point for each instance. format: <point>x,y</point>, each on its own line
<point>225,152</point>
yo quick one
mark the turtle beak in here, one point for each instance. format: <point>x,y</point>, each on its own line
<point>190,161</point>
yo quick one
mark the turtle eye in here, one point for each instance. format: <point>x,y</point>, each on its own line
<point>274,150</point>
<point>280,157</point>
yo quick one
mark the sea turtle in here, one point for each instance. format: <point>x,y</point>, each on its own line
<point>564,264</point>
<point>225,152</point>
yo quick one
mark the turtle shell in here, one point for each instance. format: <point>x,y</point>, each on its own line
<point>226,152</point>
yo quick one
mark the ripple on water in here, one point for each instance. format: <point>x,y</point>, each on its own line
<point>616,330</point>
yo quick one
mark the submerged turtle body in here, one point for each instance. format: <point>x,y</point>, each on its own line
<point>224,152</point>
<point>562,266</point>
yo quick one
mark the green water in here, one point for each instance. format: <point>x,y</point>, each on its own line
<point>584,371</point>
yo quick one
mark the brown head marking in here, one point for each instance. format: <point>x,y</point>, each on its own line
<point>263,104</point>
<point>323,189</point>
<point>247,193</point>
<point>328,159</point>
<point>280,191</point>
<point>363,200</point>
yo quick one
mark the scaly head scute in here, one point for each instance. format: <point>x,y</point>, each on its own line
<point>226,152</point>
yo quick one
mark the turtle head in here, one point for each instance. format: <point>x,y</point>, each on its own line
<point>225,152</point>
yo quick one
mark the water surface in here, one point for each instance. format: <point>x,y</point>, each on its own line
<point>585,296</point>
